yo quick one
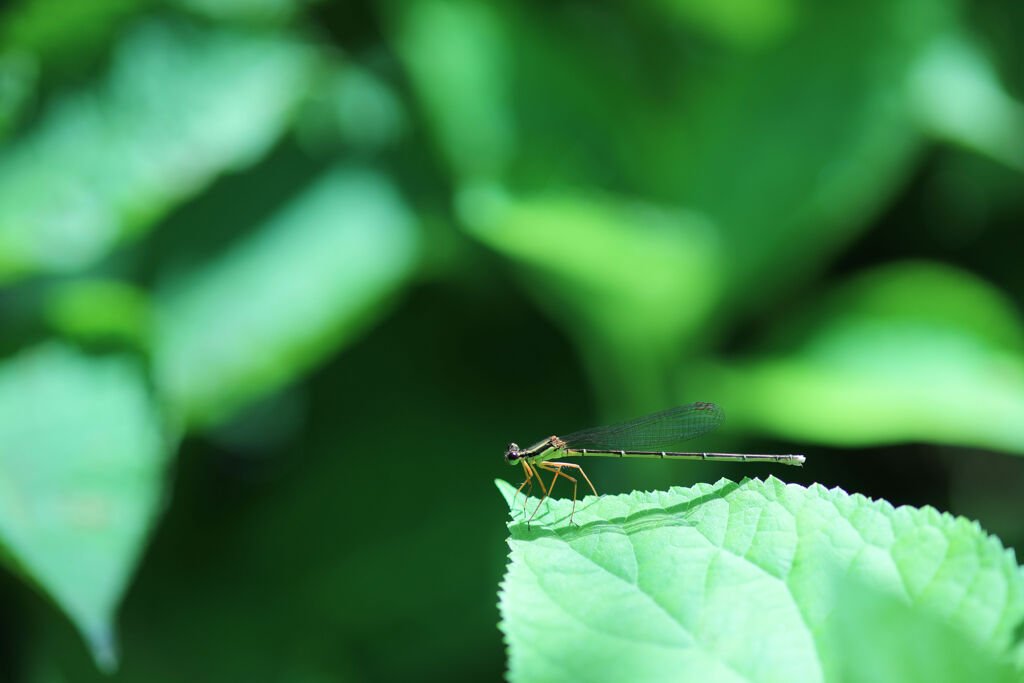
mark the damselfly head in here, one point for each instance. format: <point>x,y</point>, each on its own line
<point>512,453</point>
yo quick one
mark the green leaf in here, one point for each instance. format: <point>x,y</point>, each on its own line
<point>355,106</point>
<point>908,352</point>
<point>793,149</point>
<point>742,581</point>
<point>179,107</point>
<point>788,149</point>
<point>578,253</point>
<point>457,62</point>
<point>283,298</point>
<point>957,96</point>
<point>884,639</point>
<point>81,480</point>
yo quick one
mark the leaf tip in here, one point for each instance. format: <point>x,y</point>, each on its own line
<point>507,490</point>
<point>103,645</point>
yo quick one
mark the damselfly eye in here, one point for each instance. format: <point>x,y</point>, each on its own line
<point>511,452</point>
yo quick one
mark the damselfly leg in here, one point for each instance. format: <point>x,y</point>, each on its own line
<point>530,476</point>
<point>556,468</point>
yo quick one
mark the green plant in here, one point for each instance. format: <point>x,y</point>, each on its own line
<point>264,263</point>
<point>758,581</point>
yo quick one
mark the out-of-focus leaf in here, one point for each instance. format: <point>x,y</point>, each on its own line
<point>579,256</point>
<point>741,582</point>
<point>179,107</point>
<point>353,105</point>
<point>788,149</point>
<point>283,568</point>
<point>910,352</point>
<point>100,310</point>
<point>957,96</point>
<point>278,302</point>
<point>82,456</point>
<point>456,55</point>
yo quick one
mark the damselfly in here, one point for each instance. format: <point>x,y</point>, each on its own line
<point>632,439</point>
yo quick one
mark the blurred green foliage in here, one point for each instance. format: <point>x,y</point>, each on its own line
<point>84,488</point>
<point>300,285</point>
<point>265,264</point>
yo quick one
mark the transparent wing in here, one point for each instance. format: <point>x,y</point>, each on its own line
<point>656,430</point>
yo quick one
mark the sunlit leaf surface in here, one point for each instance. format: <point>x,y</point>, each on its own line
<point>746,581</point>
